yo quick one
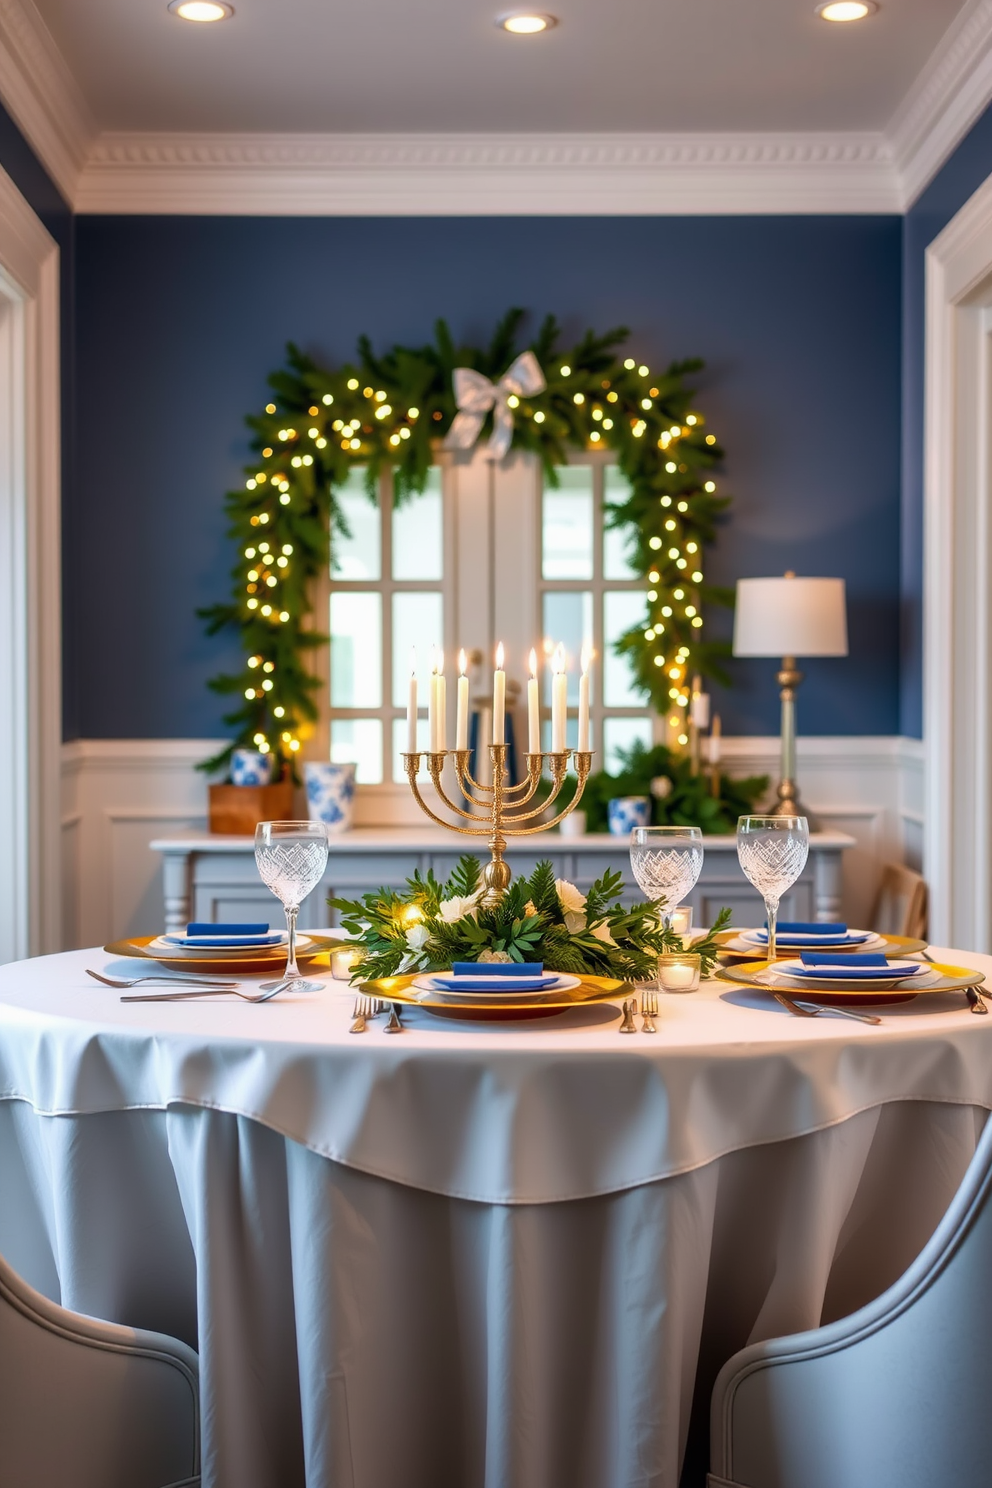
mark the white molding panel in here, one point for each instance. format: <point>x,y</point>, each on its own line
<point>117,795</point>
<point>544,174</point>
<point>474,175</point>
<point>41,93</point>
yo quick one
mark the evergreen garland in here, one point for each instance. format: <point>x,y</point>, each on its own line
<point>391,410</point>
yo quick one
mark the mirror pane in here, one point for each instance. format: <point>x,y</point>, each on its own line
<point>567,525</point>
<point>418,539</point>
<point>418,621</point>
<point>358,740</point>
<point>356,650</point>
<point>622,608</point>
<point>357,556</point>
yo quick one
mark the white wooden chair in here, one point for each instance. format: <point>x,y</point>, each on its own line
<point>894,1396</point>
<point>89,1404</point>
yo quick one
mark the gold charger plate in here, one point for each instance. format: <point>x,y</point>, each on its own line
<point>590,990</point>
<point>952,979</point>
<point>896,946</point>
<point>273,960</point>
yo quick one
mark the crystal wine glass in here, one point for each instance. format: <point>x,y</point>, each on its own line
<point>291,857</point>
<point>666,861</point>
<point>772,851</point>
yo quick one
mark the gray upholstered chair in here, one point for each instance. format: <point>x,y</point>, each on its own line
<point>894,1396</point>
<point>88,1404</point>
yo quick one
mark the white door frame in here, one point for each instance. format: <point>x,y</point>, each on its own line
<point>957,623</point>
<point>30,583</point>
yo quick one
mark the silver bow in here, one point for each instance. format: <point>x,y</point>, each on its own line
<point>475,395</point>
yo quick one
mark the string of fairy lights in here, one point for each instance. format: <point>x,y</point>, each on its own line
<point>392,411</point>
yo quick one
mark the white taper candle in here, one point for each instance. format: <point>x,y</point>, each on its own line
<point>499,699</point>
<point>533,708</point>
<point>584,697</point>
<point>411,706</point>
<point>461,713</point>
<point>559,700</point>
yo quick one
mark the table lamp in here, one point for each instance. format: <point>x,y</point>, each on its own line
<point>790,617</point>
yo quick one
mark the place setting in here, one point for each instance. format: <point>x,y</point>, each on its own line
<point>829,964</point>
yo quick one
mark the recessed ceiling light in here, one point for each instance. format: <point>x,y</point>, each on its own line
<point>846,10</point>
<point>201,10</point>
<point>526,23</point>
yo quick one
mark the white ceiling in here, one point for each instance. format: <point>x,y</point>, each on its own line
<point>440,65</point>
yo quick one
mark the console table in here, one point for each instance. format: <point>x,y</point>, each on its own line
<point>213,878</point>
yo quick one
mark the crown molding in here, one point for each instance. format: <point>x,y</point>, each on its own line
<point>950,93</point>
<point>482,174</point>
<point>42,96</point>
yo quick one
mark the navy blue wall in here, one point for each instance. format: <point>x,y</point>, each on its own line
<point>180,320</point>
<point>958,179</point>
<point>39,190</point>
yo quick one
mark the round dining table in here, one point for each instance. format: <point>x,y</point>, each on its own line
<point>469,1255</point>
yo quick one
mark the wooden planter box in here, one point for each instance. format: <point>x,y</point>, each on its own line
<point>236,810</point>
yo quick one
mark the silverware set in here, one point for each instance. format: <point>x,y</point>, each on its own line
<point>185,987</point>
<point>801,1009</point>
<point>370,1007</point>
<point>649,1011</point>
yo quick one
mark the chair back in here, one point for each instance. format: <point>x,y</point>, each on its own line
<point>89,1404</point>
<point>901,906</point>
<point>894,1396</point>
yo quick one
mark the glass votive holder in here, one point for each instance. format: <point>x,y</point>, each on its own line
<point>342,963</point>
<point>678,971</point>
<point>681,920</point>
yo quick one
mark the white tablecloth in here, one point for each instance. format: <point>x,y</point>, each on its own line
<point>531,1243</point>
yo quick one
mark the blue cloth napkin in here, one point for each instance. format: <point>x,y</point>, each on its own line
<point>809,927</point>
<point>506,985</point>
<point>870,959</point>
<point>498,968</point>
<point>203,927</point>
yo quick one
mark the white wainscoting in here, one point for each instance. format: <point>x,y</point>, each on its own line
<point>119,794</point>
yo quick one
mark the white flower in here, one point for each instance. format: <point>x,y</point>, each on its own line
<point>495,958</point>
<point>530,908</point>
<point>417,937</point>
<point>602,932</point>
<point>661,787</point>
<point>573,903</point>
<point>456,909</point>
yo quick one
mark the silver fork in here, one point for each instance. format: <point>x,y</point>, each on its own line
<point>181,980</point>
<point>365,1008</point>
<point>208,992</point>
<point>649,1010</point>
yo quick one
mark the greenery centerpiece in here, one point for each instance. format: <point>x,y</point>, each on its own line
<point>430,925</point>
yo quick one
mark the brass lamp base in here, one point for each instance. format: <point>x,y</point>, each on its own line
<point>788,802</point>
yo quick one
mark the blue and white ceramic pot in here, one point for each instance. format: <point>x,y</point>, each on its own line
<point>248,767</point>
<point>624,813</point>
<point>330,793</point>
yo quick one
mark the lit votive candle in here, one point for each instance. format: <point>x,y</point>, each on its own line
<point>681,921</point>
<point>342,963</point>
<point>679,972</point>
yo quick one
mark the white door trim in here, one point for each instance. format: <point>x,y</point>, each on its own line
<point>957,625</point>
<point>30,525</point>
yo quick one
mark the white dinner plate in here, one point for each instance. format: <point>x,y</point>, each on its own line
<point>446,984</point>
<point>895,974</point>
<point>861,938</point>
<point>163,946</point>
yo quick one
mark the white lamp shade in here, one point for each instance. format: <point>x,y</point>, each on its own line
<point>790,617</point>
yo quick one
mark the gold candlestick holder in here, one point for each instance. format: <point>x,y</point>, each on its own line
<point>501,809</point>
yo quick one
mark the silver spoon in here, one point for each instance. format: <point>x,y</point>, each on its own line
<point>813,1010</point>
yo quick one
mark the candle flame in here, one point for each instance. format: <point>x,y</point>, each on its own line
<point>499,657</point>
<point>413,661</point>
<point>462,662</point>
<point>434,655</point>
<point>558,661</point>
<point>586,655</point>
<point>533,662</point>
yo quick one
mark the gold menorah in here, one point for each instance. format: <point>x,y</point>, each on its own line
<point>502,810</point>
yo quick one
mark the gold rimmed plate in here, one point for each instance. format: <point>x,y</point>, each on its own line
<point>937,977</point>
<point>272,959</point>
<point>895,946</point>
<point>500,1007</point>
